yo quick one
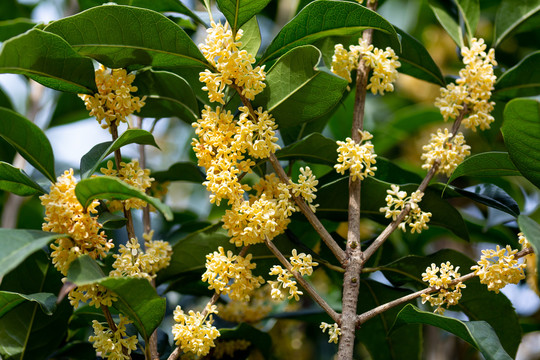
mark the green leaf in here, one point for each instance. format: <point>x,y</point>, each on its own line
<point>238,12</point>
<point>260,339</point>
<point>327,18</point>
<point>9,300</point>
<point>493,163</point>
<point>303,149</point>
<point>49,60</point>
<point>414,58</point>
<point>531,230</point>
<point>11,28</point>
<point>29,140</point>
<point>294,88</point>
<point>91,160</point>
<point>11,9</point>
<point>510,15</point>
<point>448,22</point>
<point>17,244</point>
<point>16,181</point>
<point>137,299</point>
<point>520,80</point>
<point>105,187</point>
<point>181,171</point>
<point>69,108</point>
<point>147,38</point>
<point>521,132</point>
<point>492,196</point>
<point>167,95</point>
<point>111,221</point>
<point>161,6</point>
<point>5,101</point>
<point>477,333</point>
<point>251,38</point>
<point>470,13</point>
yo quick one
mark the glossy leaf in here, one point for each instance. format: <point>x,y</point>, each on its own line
<point>49,60</point>
<point>105,187</point>
<point>531,230</point>
<point>9,300</point>
<point>294,88</point>
<point>17,182</point>
<point>493,163</point>
<point>17,244</point>
<point>477,333</point>
<point>325,18</point>
<point>69,108</point>
<point>448,22</point>
<point>492,196</point>
<point>11,28</point>
<point>29,140</point>
<point>91,160</point>
<point>251,38</point>
<point>147,38</point>
<point>167,95</point>
<point>238,12</point>
<point>470,13</point>
<point>181,171</point>
<point>414,58</point>
<point>303,149</point>
<point>111,221</point>
<point>520,80</point>
<point>521,132</point>
<point>510,15</point>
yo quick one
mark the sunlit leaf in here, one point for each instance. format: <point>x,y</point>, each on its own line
<point>493,163</point>
<point>510,15</point>
<point>16,181</point>
<point>238,12</point>
<point>9,300</point>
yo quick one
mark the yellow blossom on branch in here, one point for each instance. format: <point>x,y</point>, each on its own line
<point>302,263</point>
<point>284,281</point>
<point>306,187</point>
<point>95,294</point>
<point>449,153</point>
<point>193,332</point>
<point>497,268</point>
<point>334,331</point>
<point>357,158</point>
<point>395,203</point>
<point>113,345</point>
<point>251,311</point>
<point>447,293</point>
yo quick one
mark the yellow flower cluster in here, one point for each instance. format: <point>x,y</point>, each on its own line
<point>472,89</point>
<point>450,153</point>
<point>306,187</point>
<point>448,293</point>
<point>226,349</point>
<point>231,274</point>
<point>251,311</point>
<point>530,261</point>
<point>369,1</point>
<point>357,158</point>
<point>333,331</point>
<point>132,174</point>
<point>132,261</point>
<point>302,263</point>
<point>497,268</point>
<point>193,333</point>
<point>112,345</point>
<point>95,293</point>
<point>65,215</point>
<point>258,136</point>
<point>383,63</point>
<point>113,102</point>
<point>234,66</point>
<point>396,201</point>
<point>284,281</point>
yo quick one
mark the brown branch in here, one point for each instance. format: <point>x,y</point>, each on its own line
<point>309,289</point>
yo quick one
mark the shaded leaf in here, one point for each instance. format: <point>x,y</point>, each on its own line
<point>521,80</point>
<point>238,12</point>
<point>111,221</point>
<point>260,339</point>
<point>9,300</point>
<point>5,101</point>
<point>11,28</point>
<point>477,333</point>
<point>12,9</point>
<point>91,160</point>
<point>105,187</point>
<point>29,140</point>
<point>49,60</point>
<point>181,171</point>
<point>531,230</point>
<point>69,108</point>
<point>449,22</point>
<point>492,196</point>
<point>510,15</point>
<point>303,149</point>
<point>17,182</point>
<point>470,13</point>
<point>493,163</point>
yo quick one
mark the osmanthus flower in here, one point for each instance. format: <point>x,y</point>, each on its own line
<point>472,89</point>
<point>231,274</point>
<point>306,187</point>
<point>251,311</point>
<point>95,294</point>
<point>65,215</point>
<point>395,203</point>
<point>234,66</point>
<point>358,158</point>
<point>132,174</point>
<point>530,261</point>
<point>112,345</point>
<point>227,348</point>
<point>284,281</point>
<point>258,135</point>
<point>449,151</point>
<point>113,103</point>
<point>303,263</point>
<point>447,293</point>
<point>194,332</point>
<point>497,268</point>
<point>333,331</point>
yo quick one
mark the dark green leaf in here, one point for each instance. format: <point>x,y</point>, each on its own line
<point>448,21</point>
<point>326,18</point>
<point>470,13</point>
<point>17,244</point>
<point>294,86</point>
<point>477,333</point>
<point>251,38</point>
<point>414,58</point>
<point>9,300</point>
<point>521,80</point>
<point>168,95</point>
<point>238,12</point>
<point>91,160</point>
<point>260,339</point>
<point>493,163</point>
<point>29,140</point>
<point>105,187</point>
<point>111,221</point>
<point>120,36</point>
<point>303,149</point>
<point>492,196</point>
<point>12,9</point>
<point>510,15</point>
<point>11,28</point>
<point>181,171</point>
<point>521,132</point>
<point>49,60</point>
<point>69,108</point>
<point>16,181</point>
<point>531,230</point>
<point>5,101</point>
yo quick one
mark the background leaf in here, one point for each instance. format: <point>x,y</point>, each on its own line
<point>181,171</point>
<point>493,163</point>
<point>520,80</point>
<point>9,300</point>
<point>470,13</point>
<point>49,60</point>
<point>510,15</point>
<point>449,22</point>
<point>492,196</point>
<point>256,337</point>
<point>303,149</point>
<point>238,12</point>
<point>5,101</point>
<point>69,108</point>
<point>11,28</point>
<point>17,182</point>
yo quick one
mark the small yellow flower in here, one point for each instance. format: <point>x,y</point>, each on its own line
<point>395,203</point>
<point>306,187</point>
<point>357,158</point>
<point>449,153</point>
<point>497,268</point>
<point>284,281</point>
<point>302,263</point>
<point>113,345</point>
<point>334,331</point>
<point>447,293</point>
<point>96,294</point>
<point>193,332</point>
